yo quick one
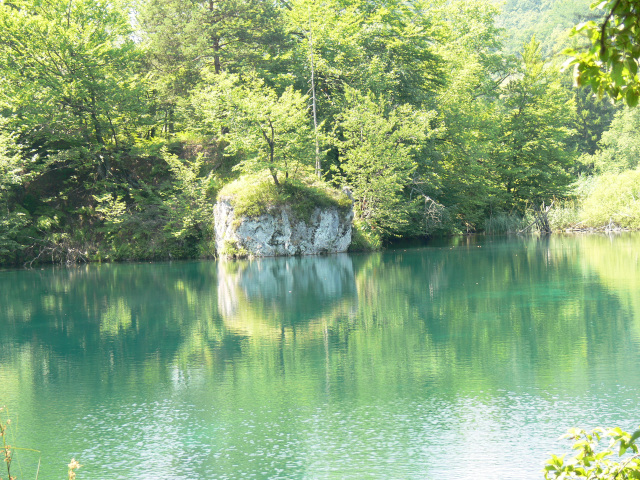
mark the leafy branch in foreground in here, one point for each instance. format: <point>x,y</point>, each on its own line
<point>593,462</point>
<point>610,65</point>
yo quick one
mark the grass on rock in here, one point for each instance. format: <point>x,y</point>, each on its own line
<point>256,195</point>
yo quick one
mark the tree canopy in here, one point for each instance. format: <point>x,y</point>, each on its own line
<point>120,123</point>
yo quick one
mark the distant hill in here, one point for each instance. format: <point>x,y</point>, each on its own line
<point>549,20</point>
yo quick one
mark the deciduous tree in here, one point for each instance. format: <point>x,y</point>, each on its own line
<point>270,131</point>
<point>378,144</point>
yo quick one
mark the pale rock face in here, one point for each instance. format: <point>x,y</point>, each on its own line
<point>277,233</point>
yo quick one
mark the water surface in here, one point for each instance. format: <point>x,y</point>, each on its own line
<point>463,359</point>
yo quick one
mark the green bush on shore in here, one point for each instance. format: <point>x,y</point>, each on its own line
<point>364,239</point>
<point>610,200</point>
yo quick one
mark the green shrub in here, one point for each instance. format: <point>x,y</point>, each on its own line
<point>613,200</point>
<point>363,239</point>
<point>565,216</point>
<point>593,461</point>
<point>233,250</point>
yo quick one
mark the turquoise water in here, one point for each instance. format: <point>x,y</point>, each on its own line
<point>463,359</point>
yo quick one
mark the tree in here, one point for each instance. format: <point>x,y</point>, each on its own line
<point>226,35</point>
<point>69,80</point>
<point>531,160</point>
<point>183,38</point>
<point>619,147</point>
<point>593,117</point>
<point>12,221</point>
<point>271,131</point>
<point>610,64</point>
<point>547,20</point>
<point>387,48</point>
<point>459,169</point>
<point>378,144</point>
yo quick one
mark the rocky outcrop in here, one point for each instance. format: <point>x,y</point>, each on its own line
<point>279,232</point>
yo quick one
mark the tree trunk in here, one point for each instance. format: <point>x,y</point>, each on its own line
<point>274,174</point>
<point>313,98</point>
<point>216,45</point>
<point>216,55</point>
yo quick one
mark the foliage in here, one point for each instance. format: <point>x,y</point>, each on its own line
<point>232,250</point>
<point>610,64</point>
<point>183,39</point>
<point>592,461</point>
<point>69,76</point>
<point>565,216</point>
<point>120,122</point>
<point>363,239</point>
<point>188,205</point>
<point>593,117</point>
<point>532,160</point>
<point>386,48</point>
<point>173,222</point>
<point>272,131</point>
<point>606,201</point>
<point>12,218</point>
<point>458,169</point>
<point>614,201</point>
<point>549,21</point>
<point>619,146</point>
<point>378,145</point>
<point>501,223</point>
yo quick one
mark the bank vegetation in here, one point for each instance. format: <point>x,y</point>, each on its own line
<point>120,122</point>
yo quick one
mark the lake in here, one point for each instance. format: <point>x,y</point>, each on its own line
<point>465,358</point>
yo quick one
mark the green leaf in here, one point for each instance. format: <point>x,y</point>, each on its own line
<point>584,25</point>
<point>616,73</point>
<point>636,434</point>
<point>632,100</point>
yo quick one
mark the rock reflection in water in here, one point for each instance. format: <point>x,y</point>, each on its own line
<point>274,293</point>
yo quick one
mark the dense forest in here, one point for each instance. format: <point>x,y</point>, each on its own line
<point>121,121</point>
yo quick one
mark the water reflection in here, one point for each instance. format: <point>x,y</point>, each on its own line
<point>324,367</point>
<point>277,293</point>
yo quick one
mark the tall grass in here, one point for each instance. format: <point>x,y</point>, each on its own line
<point>501,223</point>
<point>9,453</point>
<point>607,201</point>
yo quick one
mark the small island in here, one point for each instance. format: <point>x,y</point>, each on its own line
<point>256,218</point>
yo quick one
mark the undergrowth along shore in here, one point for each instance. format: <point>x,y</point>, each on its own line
<point>607,202</point>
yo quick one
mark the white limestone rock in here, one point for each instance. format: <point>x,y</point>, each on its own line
<point>280,233</point>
